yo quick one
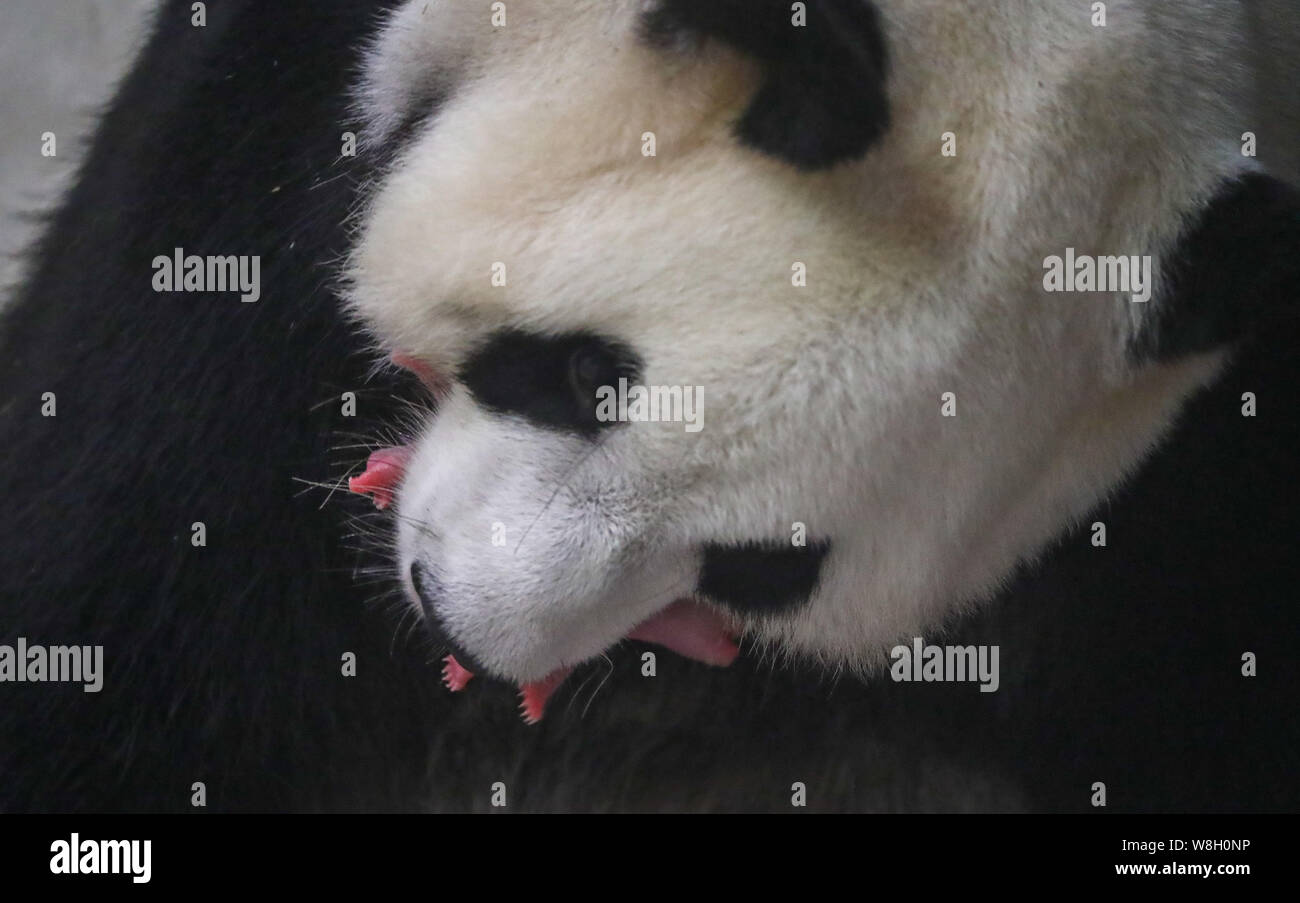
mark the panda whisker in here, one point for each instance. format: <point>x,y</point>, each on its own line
<point>564,482</point>
<point>604,680</point>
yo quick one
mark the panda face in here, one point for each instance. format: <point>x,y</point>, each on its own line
<point>893,412</point>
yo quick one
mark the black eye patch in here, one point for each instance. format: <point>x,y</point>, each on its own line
<point>762,577</point>
<point>551,381</point>
<point>822,100</point>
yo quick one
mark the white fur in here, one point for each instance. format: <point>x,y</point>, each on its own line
<point>823,403</point>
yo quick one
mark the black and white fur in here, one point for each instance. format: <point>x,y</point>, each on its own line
<point>522,145</point>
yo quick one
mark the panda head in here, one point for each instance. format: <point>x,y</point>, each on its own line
<point>823,227</point>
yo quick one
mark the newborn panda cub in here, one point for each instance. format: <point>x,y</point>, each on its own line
<point>833,219</point>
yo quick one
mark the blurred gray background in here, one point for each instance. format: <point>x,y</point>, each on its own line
<point>60,60</point>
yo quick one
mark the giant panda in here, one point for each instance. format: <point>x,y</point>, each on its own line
<point>839,224</point>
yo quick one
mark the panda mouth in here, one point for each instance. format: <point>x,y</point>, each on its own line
<point>686,626</point>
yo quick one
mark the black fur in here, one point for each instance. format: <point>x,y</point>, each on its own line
<point>222,663</point>
<point>823,97</point>
<point>1119,664</point>
<point>761,578</point>
<point>1234,273</point>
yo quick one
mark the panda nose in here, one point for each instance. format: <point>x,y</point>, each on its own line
<point>430,592</point>
<point>426,590</point>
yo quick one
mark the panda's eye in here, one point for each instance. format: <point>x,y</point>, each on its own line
<point>591,367</point>
<point>552,381</point>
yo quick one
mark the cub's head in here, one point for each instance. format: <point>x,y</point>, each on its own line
<point>740,316</point>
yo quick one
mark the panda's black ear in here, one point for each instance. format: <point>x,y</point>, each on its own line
<point>823,99</point>
<point>1234,272</point>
